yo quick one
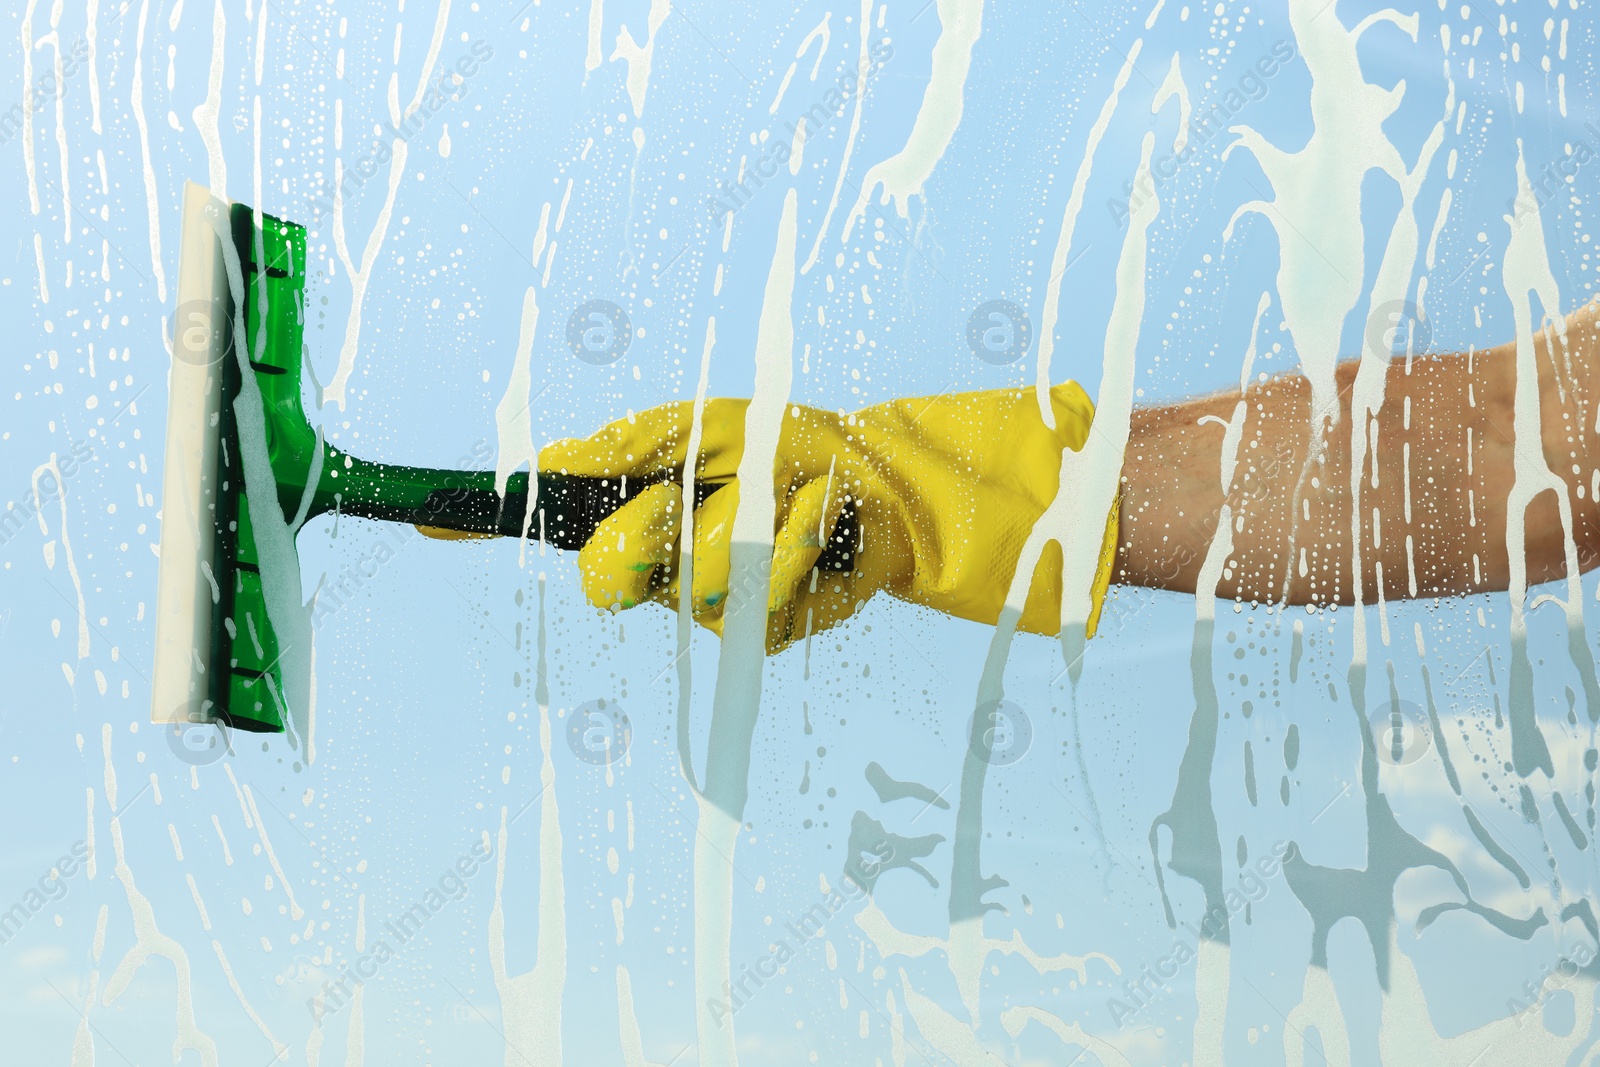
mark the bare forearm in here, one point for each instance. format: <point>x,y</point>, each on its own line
<point>1436,478</point>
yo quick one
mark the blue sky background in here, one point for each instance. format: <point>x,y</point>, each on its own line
<point>427,725</point>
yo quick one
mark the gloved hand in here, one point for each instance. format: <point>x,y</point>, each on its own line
<point>945,490</point>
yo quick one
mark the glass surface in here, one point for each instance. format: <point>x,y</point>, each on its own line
<point>507,826</point>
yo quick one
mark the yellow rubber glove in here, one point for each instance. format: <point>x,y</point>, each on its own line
<point>945,489</point>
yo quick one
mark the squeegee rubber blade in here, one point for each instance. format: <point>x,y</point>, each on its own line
<point>187,590</point>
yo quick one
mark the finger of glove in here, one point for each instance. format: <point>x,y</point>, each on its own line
<point>654,440</point>
<point>713,541</point>
<point>813,513</point>
<point>666,590</point>
<point>708,564</point>
<point>616,564</point>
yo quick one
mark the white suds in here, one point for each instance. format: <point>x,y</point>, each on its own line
<point>904,174</point>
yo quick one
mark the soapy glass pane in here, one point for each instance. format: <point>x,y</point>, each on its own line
<point>504,825</point>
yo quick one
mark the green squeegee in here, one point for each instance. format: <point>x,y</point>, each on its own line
<point>218,655</point>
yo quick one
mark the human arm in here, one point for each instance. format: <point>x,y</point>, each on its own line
<point>1448,497</point>
<point>948,488</point>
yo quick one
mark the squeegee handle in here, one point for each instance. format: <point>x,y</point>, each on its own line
<point>569,508</point>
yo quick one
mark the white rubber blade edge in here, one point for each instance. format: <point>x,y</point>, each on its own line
<point>186,592</point>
